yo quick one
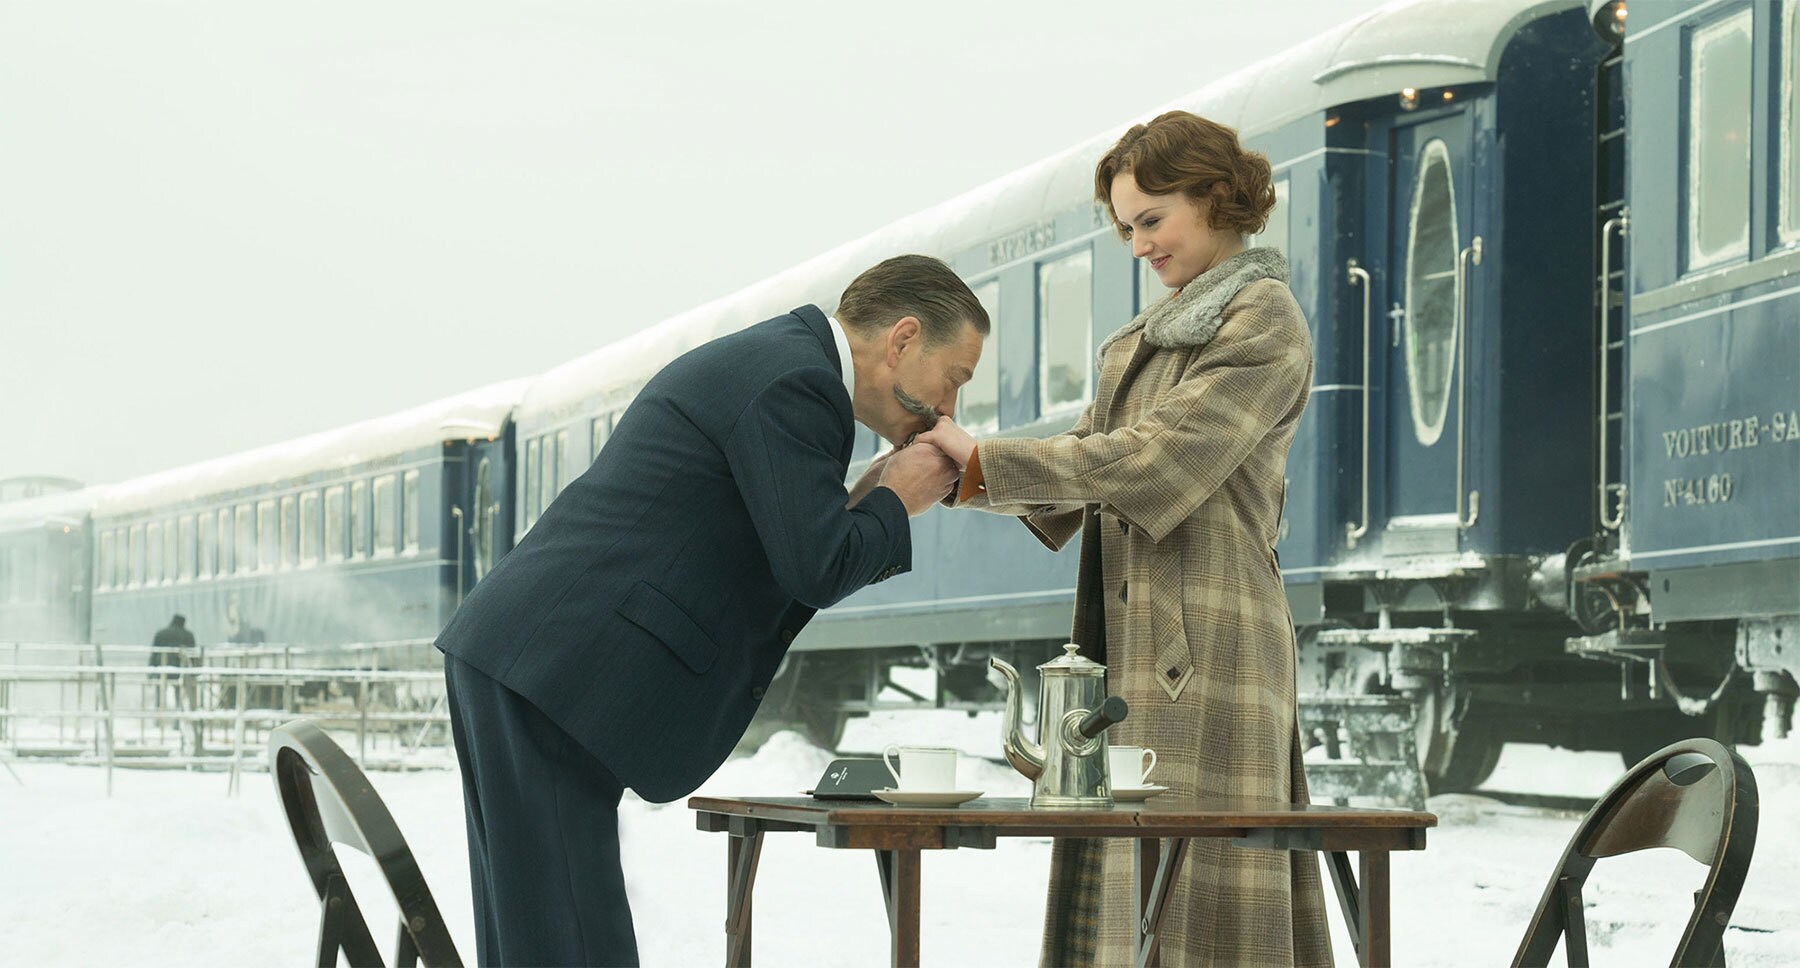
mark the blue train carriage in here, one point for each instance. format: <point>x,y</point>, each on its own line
<point>45,561</point>
<point>368,533</point>
<point>1694,587</point>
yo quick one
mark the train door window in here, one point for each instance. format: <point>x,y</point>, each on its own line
<point>227,542</point>
<point>209,546</point>
<point>597,434</point>
<point>1718,141</point>
<point>1275,234</point>
<point>309,528</point>
<point>153,537</point>
<point>290,533</point>
<point>268,536</point>
<point>171,552</point>
<point>1149,288</point>
<point>1431,249</point>
<point>1790,122</point>
<point>409,507</point>
<point>481,527</point>
<point>359,521</point>
<point>1065,331</point>
<point>533,467</point>
<point>978,403</point>
<point>136,558</point>
<point>564,472</point>
<point>384,515</point>
<point>334,524</point>
<point>186,559</point>
<point>109,558</point>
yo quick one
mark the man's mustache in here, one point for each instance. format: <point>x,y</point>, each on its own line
<point>916,407</point>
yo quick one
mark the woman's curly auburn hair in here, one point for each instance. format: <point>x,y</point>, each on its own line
<point>1183,152</point>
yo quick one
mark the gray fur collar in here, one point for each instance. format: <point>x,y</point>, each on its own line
<point>1192,317</point>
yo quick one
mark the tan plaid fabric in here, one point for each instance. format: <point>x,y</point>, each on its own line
<point>1181,456</point>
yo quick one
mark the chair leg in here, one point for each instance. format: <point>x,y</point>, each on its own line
<point>341,925</point>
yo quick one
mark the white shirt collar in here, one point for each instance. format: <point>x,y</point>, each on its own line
<point>843,350</point>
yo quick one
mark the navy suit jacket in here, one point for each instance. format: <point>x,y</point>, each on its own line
<point>649,607</point>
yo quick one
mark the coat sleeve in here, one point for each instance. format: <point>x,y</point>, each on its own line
<point>1155,472</point>
<point>784,453</point>
<point>1053,524</point>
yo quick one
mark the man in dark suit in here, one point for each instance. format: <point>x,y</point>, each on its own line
<point>627,640</point>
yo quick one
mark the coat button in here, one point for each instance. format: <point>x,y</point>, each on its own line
<point>787,636</point>
<point>1122,586</point>
<point>756,693</point>
<point>1123,527</point>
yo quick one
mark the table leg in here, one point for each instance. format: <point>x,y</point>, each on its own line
<point>1144,859</point>
<point>1149,928</point>
<point>740,876</point>
<point>1343,883</point>
<point>1376,941</point>
<point>901,879</point>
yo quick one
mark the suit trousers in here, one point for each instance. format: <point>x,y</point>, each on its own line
<point>543,833</point>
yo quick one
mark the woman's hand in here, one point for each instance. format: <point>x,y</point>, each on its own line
<point>951,439</point>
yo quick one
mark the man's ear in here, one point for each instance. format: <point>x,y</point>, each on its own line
<point>903,334</point>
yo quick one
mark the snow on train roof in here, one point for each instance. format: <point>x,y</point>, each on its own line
<point>480,413</point>
<point>1417,43</point>
<point>66,508</point>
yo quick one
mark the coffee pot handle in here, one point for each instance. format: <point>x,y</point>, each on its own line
<point>1111,711</point>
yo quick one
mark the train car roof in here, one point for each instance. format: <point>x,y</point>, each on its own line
<point>1418,43</point>
<point>67,508</point>
<point>477,414</point>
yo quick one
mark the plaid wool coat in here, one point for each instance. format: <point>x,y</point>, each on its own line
<point>1176,471</point>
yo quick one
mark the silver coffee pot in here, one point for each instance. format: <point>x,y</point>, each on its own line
<point>1069,769</point>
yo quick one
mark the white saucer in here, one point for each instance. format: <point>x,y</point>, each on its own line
<point>923,798</point>
<point>1137,794</point>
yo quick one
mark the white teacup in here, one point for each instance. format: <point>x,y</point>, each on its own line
<point>923,769</point>
<point>1130,766</point>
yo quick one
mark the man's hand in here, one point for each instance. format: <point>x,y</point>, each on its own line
<point>952,440</point>
<point>920,474</point>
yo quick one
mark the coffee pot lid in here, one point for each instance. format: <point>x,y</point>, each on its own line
<point>1072,664</point>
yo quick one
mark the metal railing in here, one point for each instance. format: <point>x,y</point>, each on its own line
<point>212,708</point>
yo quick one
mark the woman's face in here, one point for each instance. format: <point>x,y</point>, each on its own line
<point>1170,231</point>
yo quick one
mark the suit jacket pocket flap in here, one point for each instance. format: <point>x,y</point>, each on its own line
<point>649,609</point>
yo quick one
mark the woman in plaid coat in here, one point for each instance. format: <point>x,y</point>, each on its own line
<point>1174,477</point>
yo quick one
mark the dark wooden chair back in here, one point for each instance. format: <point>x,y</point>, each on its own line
<point>1695,796</point>
<point>328,800</point>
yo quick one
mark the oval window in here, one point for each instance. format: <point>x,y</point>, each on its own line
<point>1431,295</point>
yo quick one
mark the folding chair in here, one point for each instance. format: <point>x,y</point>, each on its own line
<point>1695,796</point>
<point>328,800</point>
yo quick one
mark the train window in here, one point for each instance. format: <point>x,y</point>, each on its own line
<point>290,533</point>
<point>153,538</point>
<point>334,524</point>
<point>1718,142</point>
<point>109,557</point>
<point>384,515</point>
<point>533,469</point>
<point>309,528</point>
<point>225,541</point>
<point>409,507</point>
<point>481,527</point>
<point>1790,123</point>
<point>978,403</point>
<point>1065,331</point>
<point>268,536</point>
<point>246,538</point>
<point>359,530</point>
<point>135,560</point>
<point>1275,234</point>
<point>597,434</point>
<point>1149,288</point>
<point>209,546</point>
<point>562,476</point>
<point>186,559</point>
<point>1431,249</point>
<point>171,544</point>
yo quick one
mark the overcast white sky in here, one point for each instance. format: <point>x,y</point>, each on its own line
<point>224,224</point>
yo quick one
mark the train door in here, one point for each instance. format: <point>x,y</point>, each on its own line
<point>1429,206</point>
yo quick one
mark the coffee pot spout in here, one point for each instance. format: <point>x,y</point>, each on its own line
<point>1024,756</point>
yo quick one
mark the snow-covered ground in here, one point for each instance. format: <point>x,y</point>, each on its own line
<point>170,870</point>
